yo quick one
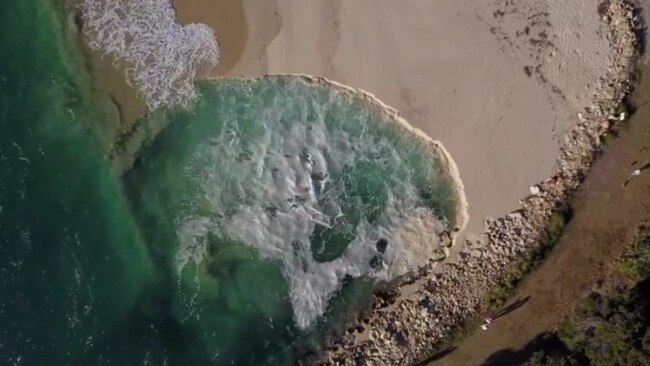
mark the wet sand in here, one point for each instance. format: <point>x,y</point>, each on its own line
<point>110,81</point>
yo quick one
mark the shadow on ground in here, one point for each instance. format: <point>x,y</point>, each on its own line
<point>438,356</point>
<point>511,307</point>
<point>542,342</point>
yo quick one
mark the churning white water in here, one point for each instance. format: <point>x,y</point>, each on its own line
<point>328,190</point>
<point>161,56</point>
<point>293,166</point>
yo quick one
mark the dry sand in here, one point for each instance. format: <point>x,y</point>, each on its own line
<point>456,69</point>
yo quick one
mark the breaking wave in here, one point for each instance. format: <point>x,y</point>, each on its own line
<point>328,186</point>
<point>161,56</point>
<point>309,177</point>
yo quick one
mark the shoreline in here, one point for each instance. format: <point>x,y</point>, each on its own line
<point>508,237</point>
<point>431,80</point>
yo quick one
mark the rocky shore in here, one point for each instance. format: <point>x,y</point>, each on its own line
<point>406,331</point>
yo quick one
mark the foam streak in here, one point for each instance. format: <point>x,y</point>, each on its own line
<point>162,57</point>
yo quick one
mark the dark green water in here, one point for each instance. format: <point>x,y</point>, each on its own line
<point>73,267</point>
<point>243,235</point>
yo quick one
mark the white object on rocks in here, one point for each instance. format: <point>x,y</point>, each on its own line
<point>534,190</point>
<point>622,117</point>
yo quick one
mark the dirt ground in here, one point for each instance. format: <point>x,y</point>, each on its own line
<point>605,216</point>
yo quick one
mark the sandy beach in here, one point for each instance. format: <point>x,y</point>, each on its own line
<point>458,70</point>
<point>499,84</point>
<point>323,182</point>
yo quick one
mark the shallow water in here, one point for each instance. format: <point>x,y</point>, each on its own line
<point>270,194</point>
<point>252,227</point>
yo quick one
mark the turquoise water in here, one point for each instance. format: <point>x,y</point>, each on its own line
<point>251,228</point>
<point>267,197</point>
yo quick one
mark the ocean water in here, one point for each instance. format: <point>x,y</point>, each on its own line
<point>270,195</point>
<point>252,227</point>
<point>73,266</point>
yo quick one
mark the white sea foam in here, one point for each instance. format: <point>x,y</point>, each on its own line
<point>162,57</point>
<point>271,188</point>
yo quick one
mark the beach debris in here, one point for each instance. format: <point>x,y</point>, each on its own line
<point>635,173</point>
<point>486,324</point>
<point>620,117</point>
<point>534,190</point>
